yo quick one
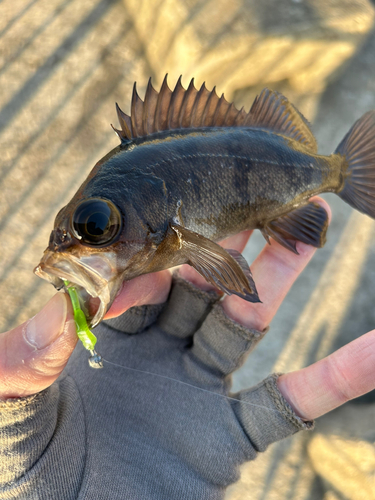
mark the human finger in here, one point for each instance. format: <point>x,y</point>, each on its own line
<point>274,271</point>
<point>34,354</point>
<point>344,375</point>
<point>146,289</point>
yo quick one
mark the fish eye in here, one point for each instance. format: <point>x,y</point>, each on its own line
<point>96,222</point>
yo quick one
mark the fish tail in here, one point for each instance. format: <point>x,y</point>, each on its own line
<point>358,148</point>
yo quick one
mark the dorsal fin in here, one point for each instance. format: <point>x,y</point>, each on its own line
<point>273,111</point>
<point>192,108</point>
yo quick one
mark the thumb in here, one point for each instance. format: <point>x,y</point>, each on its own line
<point>34,354</point>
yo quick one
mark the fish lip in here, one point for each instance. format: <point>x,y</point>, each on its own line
<point>80,274</point>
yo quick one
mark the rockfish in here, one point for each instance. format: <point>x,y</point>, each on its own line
<point>190,170</point>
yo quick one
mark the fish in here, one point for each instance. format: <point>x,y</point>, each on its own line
<point>190,170</point>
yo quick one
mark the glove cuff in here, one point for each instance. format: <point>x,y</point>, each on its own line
<point>283,406</point>
<point>266,416</point>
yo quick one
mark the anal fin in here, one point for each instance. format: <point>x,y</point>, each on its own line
<point>227,270</point>
<point>308,224</point>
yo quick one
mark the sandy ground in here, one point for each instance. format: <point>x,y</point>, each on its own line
<point>63,64</point>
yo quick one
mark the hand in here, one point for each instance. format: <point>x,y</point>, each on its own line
<point>34,354</point>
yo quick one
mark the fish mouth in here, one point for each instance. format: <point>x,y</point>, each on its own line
<point>94,278</point>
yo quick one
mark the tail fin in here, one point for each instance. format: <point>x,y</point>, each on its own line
<point>358,147</point>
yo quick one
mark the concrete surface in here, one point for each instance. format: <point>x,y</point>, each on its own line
<point>63,64</point>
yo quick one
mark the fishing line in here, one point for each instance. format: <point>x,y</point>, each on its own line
<point>189,385</point>
<point>88,340</point>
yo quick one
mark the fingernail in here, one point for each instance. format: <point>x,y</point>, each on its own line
<point>44,328</point>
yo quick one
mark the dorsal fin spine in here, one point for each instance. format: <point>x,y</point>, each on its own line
<point>231,105</point>
<point>158,104</point>
<point>198,100</point>
<point>149,109</point>
<point>134,106</point>
<point>176,95</point>
<point>145,108</point>
<point>237,116</point>
<point>230,115</point>
<point>240,118</point>
<point>212,97</point>
<point>118,133</point>
<point>219,109</point>
<point>164,93</point>
<point>195,106</point>
<point>191,90</point>
<point>125,123</point>
<point>268,111</point>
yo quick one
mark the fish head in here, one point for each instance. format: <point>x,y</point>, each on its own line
<point>89,247</point>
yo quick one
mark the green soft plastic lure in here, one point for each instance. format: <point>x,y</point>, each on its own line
<point>84,333</point>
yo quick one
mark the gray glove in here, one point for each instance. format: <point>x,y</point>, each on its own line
<point>122,434</point>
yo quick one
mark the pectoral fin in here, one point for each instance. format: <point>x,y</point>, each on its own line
<point>308,224</point>
<point>225,269</point>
